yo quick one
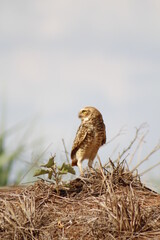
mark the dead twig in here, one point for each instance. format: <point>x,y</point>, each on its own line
<point>134,139</point>
<point>149,169</point>
<point>155,149</point>
<point>121,132</point>
<point>65,149</point>
<point>138,146</point>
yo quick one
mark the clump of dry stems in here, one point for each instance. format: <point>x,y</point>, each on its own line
<point>108,203</point>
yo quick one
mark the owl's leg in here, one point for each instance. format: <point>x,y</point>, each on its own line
<point>90,162</point>
<point>91,168</point>
<point>79,163</point>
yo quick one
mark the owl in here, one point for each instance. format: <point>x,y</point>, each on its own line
<point>91,135</point>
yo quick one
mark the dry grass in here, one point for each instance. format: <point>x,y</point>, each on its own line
<point>106,204</point>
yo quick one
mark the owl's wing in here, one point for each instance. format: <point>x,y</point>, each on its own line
<point>104,137</point>
<point>80,137</point>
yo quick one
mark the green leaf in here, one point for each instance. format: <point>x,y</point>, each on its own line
<point>63,171</point>
<point>50,162</point>
<point>39,172</point>
<point>67,168</point>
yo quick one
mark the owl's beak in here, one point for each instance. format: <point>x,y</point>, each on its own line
<point>80,115</point>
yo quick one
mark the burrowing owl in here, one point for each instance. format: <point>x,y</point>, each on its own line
<point>90,136</point>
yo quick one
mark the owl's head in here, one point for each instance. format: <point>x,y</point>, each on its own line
<point>87,113</point>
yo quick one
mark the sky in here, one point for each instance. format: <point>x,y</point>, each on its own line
<point>59,56</point>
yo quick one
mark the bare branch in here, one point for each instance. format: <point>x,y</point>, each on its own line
<point>155,149</point>
<point>65,149</point>
<point>121,132</point>
<point>138,147</point>
<point>143,125</point>
<point>114,151</point>
<point>149,169</point>
<point>100,164</point>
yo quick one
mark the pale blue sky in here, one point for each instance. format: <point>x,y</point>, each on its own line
<point>59,56</point>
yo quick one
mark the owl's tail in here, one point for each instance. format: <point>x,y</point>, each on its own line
<point>74,162</point>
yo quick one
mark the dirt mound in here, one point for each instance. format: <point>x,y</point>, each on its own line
<point>110,203</point>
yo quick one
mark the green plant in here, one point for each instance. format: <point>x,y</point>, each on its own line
<point>7,159</point>
<point>53,171</point>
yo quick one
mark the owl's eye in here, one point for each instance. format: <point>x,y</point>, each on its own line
<point>83,111</point>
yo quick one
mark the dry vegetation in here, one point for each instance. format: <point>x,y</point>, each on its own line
<point>104,205</point>
<point>109,203</point>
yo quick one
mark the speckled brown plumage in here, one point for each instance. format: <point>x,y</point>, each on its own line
<point>90,136</point>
